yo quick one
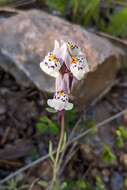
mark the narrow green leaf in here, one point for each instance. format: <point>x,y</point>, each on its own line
<point>64,141</point>
<point>118,24</point>
<point>58,5</point>
<point>51,150</point>
<point>51,110</point>
<point>43,184</point>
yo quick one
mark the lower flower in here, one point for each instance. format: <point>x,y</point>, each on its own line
<point>60,101</point>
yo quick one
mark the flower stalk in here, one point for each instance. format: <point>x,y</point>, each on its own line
<point>56,165</point>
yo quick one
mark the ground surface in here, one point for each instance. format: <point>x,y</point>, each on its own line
<point>20,142</point>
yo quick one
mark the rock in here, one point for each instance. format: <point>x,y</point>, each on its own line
<point>106,175</point>
<point>86,151</point>
<point>117,181</point>
<point>26,38</point>
<point>44,170</point>
<point>123,160</point>
<point>95,172</point>
<point>2,108</point>
<point>125,183</point>
<point>20,149</point>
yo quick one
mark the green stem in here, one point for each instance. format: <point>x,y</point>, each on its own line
<point>56,162</point>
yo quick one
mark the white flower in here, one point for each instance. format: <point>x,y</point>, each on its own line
<point>79,67</point>
<point>54,60</point>
<point>73,49</point>
<point>60,101</point>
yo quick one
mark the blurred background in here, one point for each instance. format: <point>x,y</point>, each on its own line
<point>109,16</point>
<point>98,159</point>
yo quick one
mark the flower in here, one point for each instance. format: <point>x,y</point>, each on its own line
<point>79,67</point>
<point>73,49</point>
<point>54,60</point>
<point>67,64</point>
<point>60,101</point>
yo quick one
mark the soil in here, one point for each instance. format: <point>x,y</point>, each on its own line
<point>20,143</point>
<point>20,109</point>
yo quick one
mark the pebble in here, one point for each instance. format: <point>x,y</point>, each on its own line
<point>125,183</point>
<point>117,181</point>
<point>106,175</point>
<point>124,159</point>
<point>2,109</point>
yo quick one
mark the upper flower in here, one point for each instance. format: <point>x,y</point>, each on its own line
<point>68,54</point>
<point>79,67</point>
<point>60,101</point>
<point>67,64</point>
<point>73,49</point>
<point>54,60</point>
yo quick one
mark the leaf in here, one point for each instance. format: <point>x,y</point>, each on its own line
<point>83,185</point>
<point>78,185</point>
<point>108,156</point>
<point>43,184</point>
<point>51,151</point>
<point>64,141</point>
<point>91,11</point>
<point>123,132</point>
<point>47,126</point>
<point>84,11</point>
<point>120,142</point>
<point>51,110</point>
<point>100,184</point>
<point>118,24</point>
<point>58,5</point>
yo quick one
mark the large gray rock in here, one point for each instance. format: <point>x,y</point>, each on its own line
<point>27,37</point>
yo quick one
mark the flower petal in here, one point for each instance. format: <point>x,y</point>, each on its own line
<point>51,65</point>
<point>51,103</point>
<point>68,60</point>
<point>51,72</point>
<point>56,46</point>
<point>79,67</point>
<point>66,83</point>
<point>56,104</point>
<point>68,106</point>
<point>74,50</point>
<point>79,74</point>
<point>59,105</point>
<point>60,102</point>
<point>63,51</point>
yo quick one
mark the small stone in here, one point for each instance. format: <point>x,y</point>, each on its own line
<point>106,175</point>
<point>125,118</point>
<point>2,108</point>
<point>95,172</point>
<point>44,170</point>
<point>86,151</point>
<point>125,183</point>
<point>123,159</point>
<point>117,181</point>
<point>36,187</point>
